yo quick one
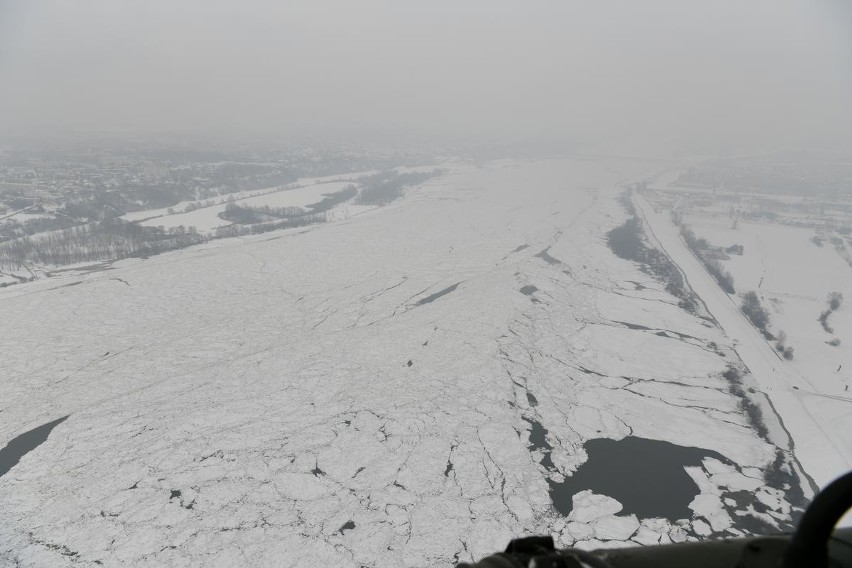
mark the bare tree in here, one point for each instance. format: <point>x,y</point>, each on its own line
<point>835,299</point>
<point>753,309</point>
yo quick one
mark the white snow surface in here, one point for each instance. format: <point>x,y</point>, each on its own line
<point>203,219</point>
<point>298,184</point>
<point>207,218</point>
<point>287,400</point>
<point>299,197</point>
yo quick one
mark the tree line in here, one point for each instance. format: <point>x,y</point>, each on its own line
<point>238,230</point>
<point>385,187</point>
<point>106,240</point>
<point>835,299</point>
<point>703,251</point>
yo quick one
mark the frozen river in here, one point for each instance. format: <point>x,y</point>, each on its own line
<point>365,392</point>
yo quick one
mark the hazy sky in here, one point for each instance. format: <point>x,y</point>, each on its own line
<point>677,74</point>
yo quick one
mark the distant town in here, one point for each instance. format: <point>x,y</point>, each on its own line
<point>93,201</point>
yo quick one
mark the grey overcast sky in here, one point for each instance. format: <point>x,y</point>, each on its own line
<point>669,74</point>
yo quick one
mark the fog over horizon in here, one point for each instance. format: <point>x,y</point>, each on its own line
<point>657,76</point>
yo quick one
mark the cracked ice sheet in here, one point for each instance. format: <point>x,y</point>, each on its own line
<point>572,353</point>
<point>615,351</point>
<point>659,316</point>
<point>243,401</point>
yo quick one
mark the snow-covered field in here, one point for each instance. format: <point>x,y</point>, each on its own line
<point>794,277</point>
<point>299,197</point>
<point>300,183</point>
<point>203,219</point>
<point>402,388</point>
<point>207,218</point>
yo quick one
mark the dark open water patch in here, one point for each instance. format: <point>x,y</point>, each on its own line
<point>538,435</point>
<point>545,256</point>
<point>20,446</point>
<point>347,526</point>
<point>634,326</point>
<point>645,476</point>
<point>628,242</point>
<point>436,295</point>
<point>538,440</point>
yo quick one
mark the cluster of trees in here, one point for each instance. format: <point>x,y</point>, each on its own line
<point>248,215</point>
<point>42,224</point>
<point>782,347</point>
<point>95,207</point>
<point>16,200</point>
<point>277,212</point>
<point>11,228</point>
<point>751,410</point>
<point>244,215</point>
<point>106,240</point>
<point>835,299</point>
<point>385,187</point>
<point>702,250</point>
<point>722,276</point>
<point>759,316</point>
<point>334,199</point>
<point>173,240</point>
<point>237,230</point>
<point>754,311</point>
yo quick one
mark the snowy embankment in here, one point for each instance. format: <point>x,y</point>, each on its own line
<point>814,421</point>
<point>410,387</point>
